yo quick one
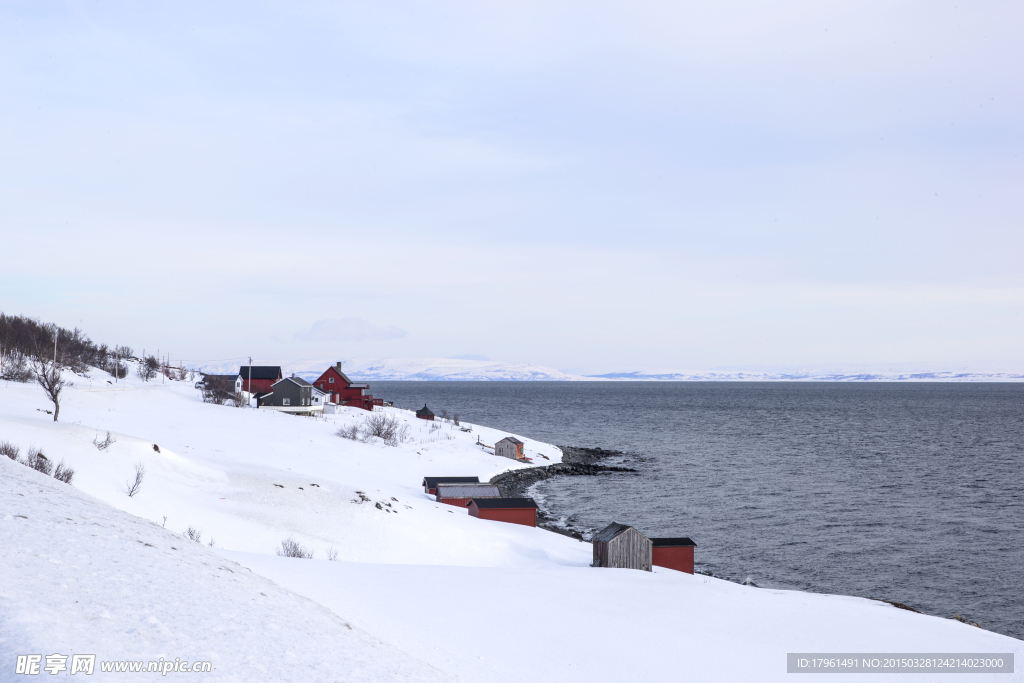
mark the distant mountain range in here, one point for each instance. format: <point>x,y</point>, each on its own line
<point>473,370</point>
<point>809,376</point>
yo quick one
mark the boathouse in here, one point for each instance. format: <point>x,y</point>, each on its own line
<point>512,510</point>
<point>622,547</point>
<point>459,495</point>
<point>673,553</point>
<point>425,413</point>
<point>430,483</point>
<point>509,447</point>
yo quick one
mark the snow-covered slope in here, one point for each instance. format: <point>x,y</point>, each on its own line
<point>80,577</point>
<point>477,600</point>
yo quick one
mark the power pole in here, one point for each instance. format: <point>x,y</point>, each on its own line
<point>250,381</point>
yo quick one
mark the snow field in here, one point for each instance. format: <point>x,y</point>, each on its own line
<point>478,600</point>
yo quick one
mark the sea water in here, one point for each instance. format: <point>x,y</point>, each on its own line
<point>911,492</point>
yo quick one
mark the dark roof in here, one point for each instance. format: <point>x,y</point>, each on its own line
<point>261,371</point>
<point>468,491</point>
<point>297,380</point>
<point>503,503</point>
<point>231,378</point>
<point>424,410</point>
<point>432,482</point>
<point>513,440</point>
<point>672,542</point>
<point>611,531</point>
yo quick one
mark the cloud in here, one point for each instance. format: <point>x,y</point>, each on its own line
<point>349,330</point>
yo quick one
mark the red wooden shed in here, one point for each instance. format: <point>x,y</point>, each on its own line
<point>430,483</point>
<point>673,553</point>
<point>459,495</point>
<point>425,413</point>
<point>512,510</point>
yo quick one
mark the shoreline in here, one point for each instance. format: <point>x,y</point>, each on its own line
<point>576,461</point>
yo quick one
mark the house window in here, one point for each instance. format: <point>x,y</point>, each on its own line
<point>286,402</point>
<point>331,380</point>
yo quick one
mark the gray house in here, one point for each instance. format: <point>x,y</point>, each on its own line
<point>618,545</point>
<point>293,395</point>
<point>509,447</point>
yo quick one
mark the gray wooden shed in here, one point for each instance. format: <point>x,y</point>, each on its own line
<point>623,547</point>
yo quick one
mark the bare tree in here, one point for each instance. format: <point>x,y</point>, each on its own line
<point>48,375</point>
<point>131,487</point>
<point>193,534</point>
<point>148,368</point>
<point>455,419</point>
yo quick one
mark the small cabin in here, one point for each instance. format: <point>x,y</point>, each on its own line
<point>430,483</point>
<point>673,553</point>
<point>623,547</point>
<point>509,447</point>
<point>459,495</point>
<point>425,413</point>
<point>512,510</point>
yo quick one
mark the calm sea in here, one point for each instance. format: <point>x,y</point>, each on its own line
<point>905,492</point>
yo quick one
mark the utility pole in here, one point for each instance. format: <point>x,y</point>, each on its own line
<point>250,381</point>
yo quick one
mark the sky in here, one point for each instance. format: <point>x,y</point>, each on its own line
<point>590,186</point>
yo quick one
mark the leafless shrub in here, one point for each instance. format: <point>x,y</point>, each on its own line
<point>156,448</point>
<point>63,473</point>
<point>350,432</point>
<point>444,414</point>
<point>14,366</point>
<point>9,449</point>
<point>455,419</point>
<point>332,554</point>
<point>387,427</point>
<point>182,373</point>
<point>105,444</point>
<point>292,548</point>
<point>193,534</point>
<point>132,486</point>
<point>48,376</point>
<point>39,462</point>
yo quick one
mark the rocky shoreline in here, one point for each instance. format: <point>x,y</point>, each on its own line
<point>576,461</point>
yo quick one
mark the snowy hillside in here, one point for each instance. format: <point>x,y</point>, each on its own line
<point>421,584</point>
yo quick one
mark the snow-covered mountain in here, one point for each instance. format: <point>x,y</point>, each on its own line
<point>858,374</point>
<point>436,369</point>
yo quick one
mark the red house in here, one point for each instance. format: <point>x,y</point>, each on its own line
<point>512,510</point>
<point>342,391</point>
<point>263,377</point>
<point>673,553</point>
